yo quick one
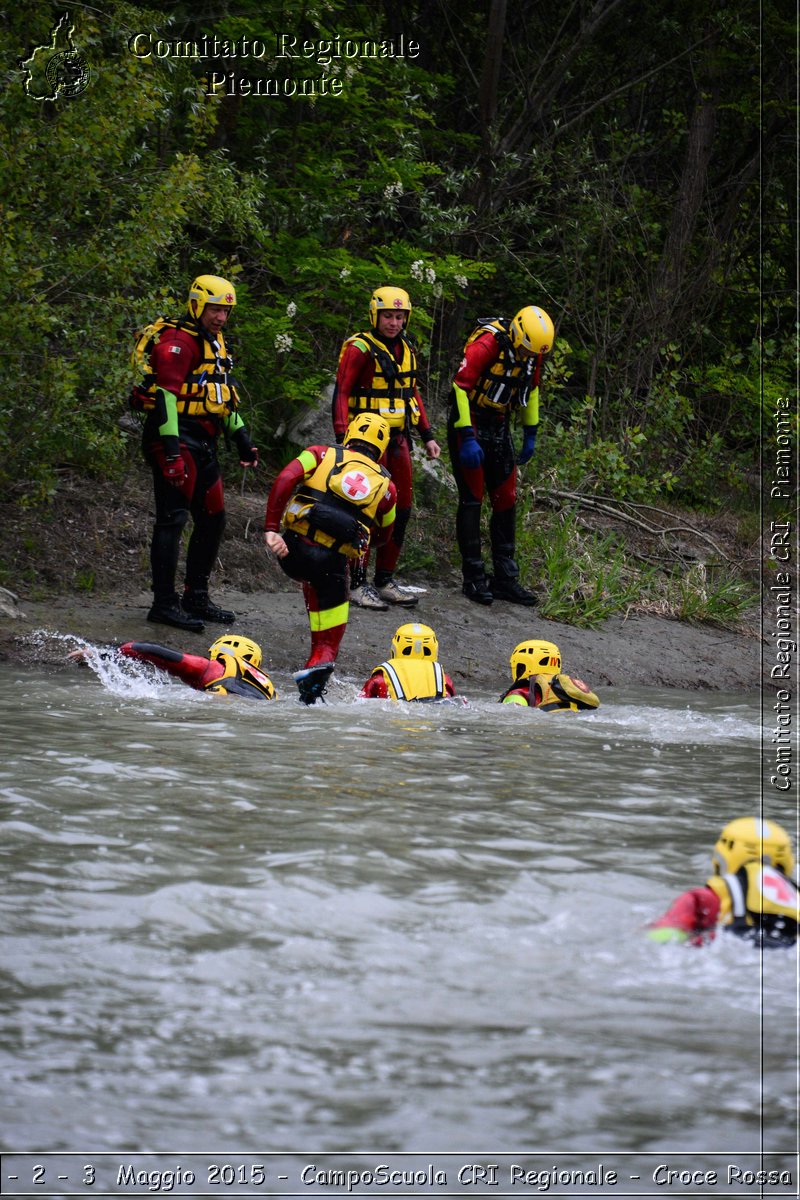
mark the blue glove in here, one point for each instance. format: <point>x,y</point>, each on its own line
<point>528,445</point>
<point>470,455</point>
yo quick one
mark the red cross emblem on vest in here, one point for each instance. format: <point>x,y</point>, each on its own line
<point>355,485</point>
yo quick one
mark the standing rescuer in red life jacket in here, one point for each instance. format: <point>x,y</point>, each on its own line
<point>378,373</point>
<point>189,397</point>
<point>750,894</point>
<point>499,375</point>
<point>342,496</point>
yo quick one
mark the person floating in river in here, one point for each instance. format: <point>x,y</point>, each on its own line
<point>540,683</point>
<point>751,892</point>
<point>413,672</point>
<point>233,666</point>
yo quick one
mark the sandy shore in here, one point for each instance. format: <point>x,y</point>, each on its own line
<point>475,642</point>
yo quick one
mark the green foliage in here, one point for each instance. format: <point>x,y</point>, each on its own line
<point>569,186</point>
<point>585,577</point>
<point>709,593</point>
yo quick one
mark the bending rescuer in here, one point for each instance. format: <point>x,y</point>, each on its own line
<point>330,501</point>
<point>499,375</point>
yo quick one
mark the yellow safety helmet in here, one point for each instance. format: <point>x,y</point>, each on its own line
<point>210,289</point>
<point>415,641</point>
<point>391,299</point>
<point>239,647</point>
<point>370,428</point>
<point>535,658</point>
<point>749,838</point>
<point>532,330</point>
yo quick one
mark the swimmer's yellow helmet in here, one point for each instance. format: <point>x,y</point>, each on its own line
<point>535,658</point>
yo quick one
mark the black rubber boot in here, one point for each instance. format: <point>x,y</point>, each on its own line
<point>198,604</point>
<point>511,589</point>
<point>167,611</point>
<point>478,589</point>
<point>505,582</point>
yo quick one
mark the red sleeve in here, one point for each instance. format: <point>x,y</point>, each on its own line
<point>356,366</point>
<point>175,356</point>
<point>191,668</point>
<point>424,426</point>
<point>694,911</point>
<point>285,483</point>
<point>478,357</point>
<point>381,534</point>
<point>375,688</point>
<point>449,686</point>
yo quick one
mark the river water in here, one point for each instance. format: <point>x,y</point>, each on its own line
<point>378,928</point>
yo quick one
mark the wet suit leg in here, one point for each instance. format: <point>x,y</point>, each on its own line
<point>208,514</point>
<point>323,574</point>
<point>172,513</point>
<point>501,473</point>
<point>397,460</point>
<point>470,484</point>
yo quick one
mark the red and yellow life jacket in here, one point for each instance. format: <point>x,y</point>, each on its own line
<point>760,902</point>
<point>209,390</point>
<point>392,392</point>
<point>337,505</point>
<point>507,383</point>
<point>241,678</point>
<point>559,693</point>
<point>413,679</point>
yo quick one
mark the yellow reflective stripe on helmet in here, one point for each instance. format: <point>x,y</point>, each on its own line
<point>308,461</point>
<point>329,618</point>
<point>515,700</point>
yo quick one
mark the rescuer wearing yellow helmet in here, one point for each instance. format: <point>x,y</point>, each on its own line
<point>233,666</point>
<point>499,375</point>
<point>413,672</point>
<point>539,682</point>
<point>187,392</point>
<point>322,510</point>
<point>377,373</point>
<point>751,892</point>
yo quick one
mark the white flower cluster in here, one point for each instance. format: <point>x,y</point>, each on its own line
<point>291,309</point>
<point>462,281</point>
<point>430,275</point>
<point>344,273</point>
<point>283,343</point>
<point>416,269</point>
<point>393,190</point>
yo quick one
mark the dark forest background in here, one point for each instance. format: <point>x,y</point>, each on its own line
<point>629,166</point>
